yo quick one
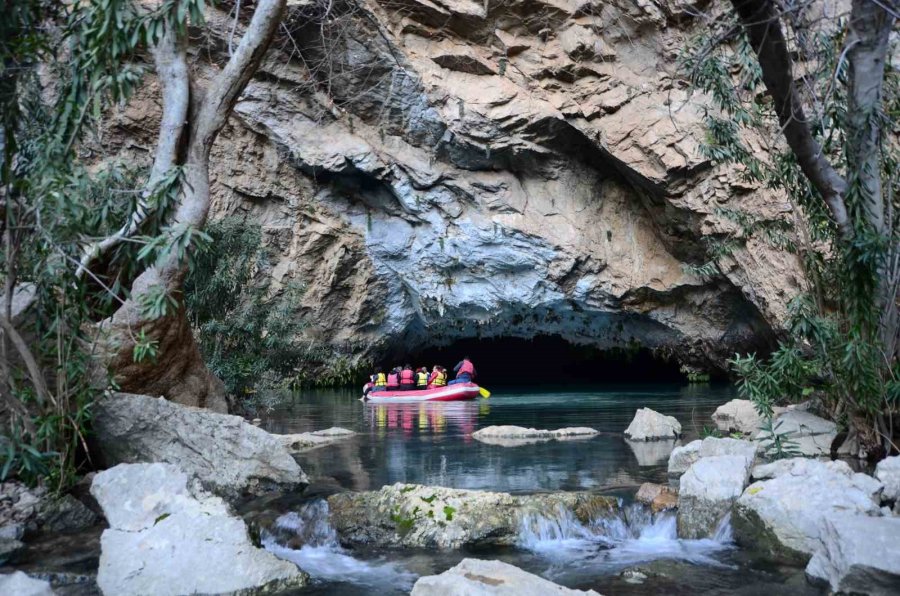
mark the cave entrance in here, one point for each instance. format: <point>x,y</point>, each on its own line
<point>551,360</point>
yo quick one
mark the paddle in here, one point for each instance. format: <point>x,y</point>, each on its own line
<point>484,392</point>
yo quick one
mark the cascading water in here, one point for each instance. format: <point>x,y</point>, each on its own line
<point>631,537</point>
<point>321,555</point>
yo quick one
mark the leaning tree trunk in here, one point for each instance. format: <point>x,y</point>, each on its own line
<point>178,371</point>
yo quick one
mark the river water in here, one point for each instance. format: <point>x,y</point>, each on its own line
<point>431,443</point>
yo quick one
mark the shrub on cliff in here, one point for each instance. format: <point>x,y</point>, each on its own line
<point>839,168</point>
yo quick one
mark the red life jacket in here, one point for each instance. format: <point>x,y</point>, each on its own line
<point>407,377</point>
<point>467,368</point>
<point>393,380</point>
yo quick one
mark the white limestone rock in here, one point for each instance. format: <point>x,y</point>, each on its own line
<point>707,492</point>
<point>683,457</point>
<point>475,577</point>
<point>781,514</point>
<point>859,555</point>
<point>169,537</point>
<point>20,584</point>
<point>888,472</point>
<point>812,435</point>
<point>649,425</point>
<point>231,457</point>
<point>299,442</point>
<point>738,415</point>
<point>513,436</point>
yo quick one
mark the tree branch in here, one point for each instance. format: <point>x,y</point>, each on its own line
<point>34,371</point>
<point>870,28</point>
<point>170,57</point>
<point>760,19</point>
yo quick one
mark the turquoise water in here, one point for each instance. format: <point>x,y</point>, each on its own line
<point>430,443</point>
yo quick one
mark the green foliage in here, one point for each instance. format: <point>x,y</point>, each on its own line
<point>249,334</point>
<point>836,344</point>
<point>55,205</point>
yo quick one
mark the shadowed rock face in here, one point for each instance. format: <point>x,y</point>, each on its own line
<point>449,171</point>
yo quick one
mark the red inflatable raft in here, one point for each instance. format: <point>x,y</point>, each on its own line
<point>456,392</point>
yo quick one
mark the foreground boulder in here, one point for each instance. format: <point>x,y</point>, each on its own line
<point>649,425</point>
<point>657,496</point>
<point>512,436</point>
<point>229,456</point>
<point>474,577</point>
<point>412,515</point>
<point>781,515</point>
<point>738,415</point>
<point>707,492</point>
<point>20,584</point>
<point>858,555</point>
<point>169,537</point>
<point>811,435</point>
<point>888,472</point>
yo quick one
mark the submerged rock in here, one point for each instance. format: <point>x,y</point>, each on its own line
<point>512,436</point>
<point>888,472</point>
<point>229,456</point>
<point>475,577</point>
<point>707,492</point>
<point>781,515</point>
<point>168,537</point>
<point>811,435</point>
<point>738,415</point>
<point>300,442</point>
<point>657,496</point>
<point>431,516</point>
<point>683,457</point>
<point>858,555</point>
<point>20,584</point>
<point>649,425</point>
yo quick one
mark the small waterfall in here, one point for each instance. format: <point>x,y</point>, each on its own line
<point>320,554</point>
<point>633,536</point>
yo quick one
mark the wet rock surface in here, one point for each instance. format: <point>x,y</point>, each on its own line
<point>657,496</point>
<point>167,536</point>
<point>649,425</point>
<point>707,492</point>
<point>300,442</point>
<point>474,577</point>
<point>229,456</point>
<point>431,516</point>
<point>780,515</point>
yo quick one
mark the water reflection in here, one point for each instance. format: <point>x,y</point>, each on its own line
<point>423,418</point>
<point>431,443</point>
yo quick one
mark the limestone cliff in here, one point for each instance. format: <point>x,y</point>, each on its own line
<point>441,169</point>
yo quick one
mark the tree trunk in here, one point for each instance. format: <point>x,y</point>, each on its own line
<point>178,371</point>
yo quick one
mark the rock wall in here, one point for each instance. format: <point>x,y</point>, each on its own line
<point>440,169</point>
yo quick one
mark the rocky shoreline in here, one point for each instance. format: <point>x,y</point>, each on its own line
<point>170,492</point>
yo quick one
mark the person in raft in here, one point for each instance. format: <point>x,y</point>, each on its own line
<point>393,379</point>
<point>422,378</point>
<point>438,377</point>
<point>407,378</point>
<point>379,380</point>
<point>465,372</point>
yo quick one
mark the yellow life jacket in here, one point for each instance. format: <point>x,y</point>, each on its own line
<point>440,380</point>
<point>380,380</point>
<point>421,379</point>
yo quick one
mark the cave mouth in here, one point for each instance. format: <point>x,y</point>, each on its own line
<point>550,360</point>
